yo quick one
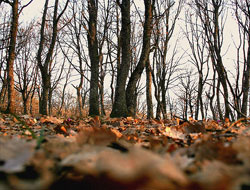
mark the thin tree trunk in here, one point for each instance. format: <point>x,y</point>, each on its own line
<point>79,100</point>
<point>149,91</point>
<point>199,97</point>
<point>31,100</point>
<point>3,90</point>
<point>218,100</point>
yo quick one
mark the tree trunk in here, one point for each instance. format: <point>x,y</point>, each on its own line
<point>11,57</point>
<point>199,96</point>
<point>3,90</point>
<point>43,64</point>
<point>149,91</point>
<point>31,99</point>
<point>25,102</point>
<point>136,74</point>
<point>245,83</point>
<point>218,100</point>
<point>79,100</point>
<point>120,106</point>
<point>50,100</point>
<point>101,88</point>
<point>45,94</point>
<point>158,111</point>
<point>94,59</point>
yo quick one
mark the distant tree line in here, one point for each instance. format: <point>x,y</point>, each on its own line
<point>116,54</point>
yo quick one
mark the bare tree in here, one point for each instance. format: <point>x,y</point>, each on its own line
<point>11,55</point>
<point>120,106</point>
<point>211,15</point>
<point>187,88</point>
<point>210,95</point>
<point>199,57</point>
<point>165,60</point>
<point>136,74</point>
<point>26,69</point>
<point>4,43</point>
<point>45,62</point>
<point>94,57</point>
<point>11,51</point>
<point>242,13</point>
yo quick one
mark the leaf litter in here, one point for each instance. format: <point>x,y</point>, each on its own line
<point>50,153</point>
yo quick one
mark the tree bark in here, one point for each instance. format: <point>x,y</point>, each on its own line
<point>199,105</point>
<point>11,57</point>
<point>246,80</point>
<point>79,100</point>
<point>94,58</point>
<point>149,90</point>
<point>218,100</point>
<point>120,106</point>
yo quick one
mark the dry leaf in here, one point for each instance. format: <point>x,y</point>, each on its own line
<point>95,136</point>
<point>116,132</point>
<point>52,120</point>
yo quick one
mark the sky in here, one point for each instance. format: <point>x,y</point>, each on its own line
<point>33,11</point>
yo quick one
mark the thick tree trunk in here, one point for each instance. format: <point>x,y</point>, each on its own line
<point>11,57</point>
<point>136,74</point>
<point>25,102</point>
<point>50,101</point>
<point>25,106</point>
<point>45,94</point>
<point>120,106</point>
<point>94,59</point>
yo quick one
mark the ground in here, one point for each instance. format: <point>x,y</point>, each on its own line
<point>48,153</point>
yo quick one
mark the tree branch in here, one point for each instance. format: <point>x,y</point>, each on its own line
<point>25,6</point>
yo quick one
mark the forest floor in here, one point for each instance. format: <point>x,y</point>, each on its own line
<point>49,153</point>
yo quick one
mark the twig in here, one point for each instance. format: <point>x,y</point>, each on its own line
<point>235,123</point>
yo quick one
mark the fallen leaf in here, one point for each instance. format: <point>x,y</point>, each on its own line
<point>95,136</point>
<point>116,132</point>
<point>14,154</point>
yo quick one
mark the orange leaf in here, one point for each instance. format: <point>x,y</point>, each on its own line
<point>63,129</point>
<point>129,118</point>
<point>117,133</point>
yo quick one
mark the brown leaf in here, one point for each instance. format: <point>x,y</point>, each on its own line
<point>95,136</point>
<point>52,120</point>
<point>216,151</point>
<point>242,145</point>
<point>95,122</point>
<point>128,167</point>
<point>116,132</point>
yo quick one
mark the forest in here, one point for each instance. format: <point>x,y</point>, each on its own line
<point>124,94</point>
<point>155,59</point>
